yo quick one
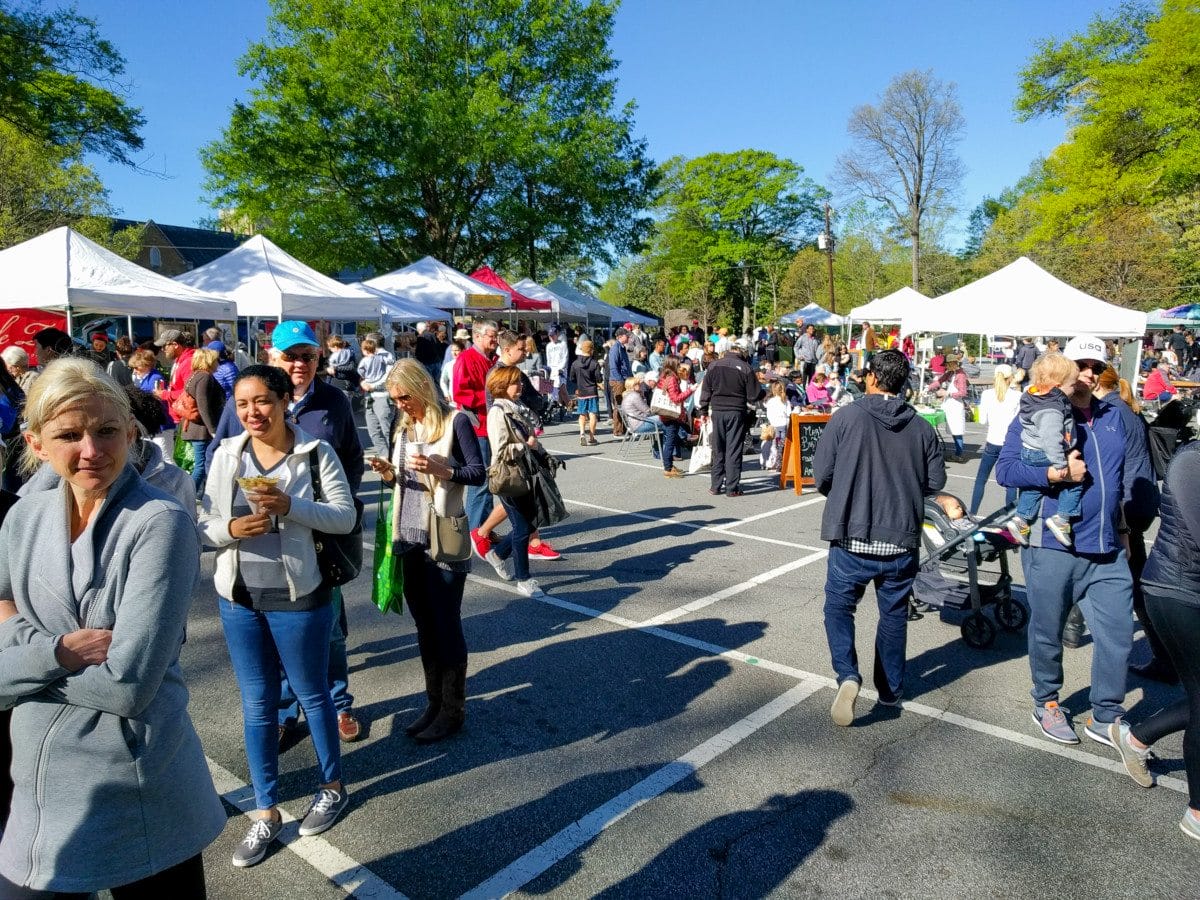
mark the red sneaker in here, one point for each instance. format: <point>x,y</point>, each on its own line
<point>349,728</point>
<point>482,545</point>
<point>544,551</point>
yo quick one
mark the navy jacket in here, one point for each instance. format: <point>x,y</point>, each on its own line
<point>1141,497</point>
<point>325,415</point>
<point>618,362</point>
<point>1102,444</point>
<point>876,462</point>
<point>1174,564</point>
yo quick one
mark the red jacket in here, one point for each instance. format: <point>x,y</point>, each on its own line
<point>468,386</point>
<point>180,373</point>
<point>1156,384</point>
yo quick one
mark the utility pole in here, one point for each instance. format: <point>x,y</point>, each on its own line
<point>828,248</point>
<point>747,301</point>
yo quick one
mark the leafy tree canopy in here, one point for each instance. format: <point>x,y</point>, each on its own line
<point>59,83</point>
<point>471,130</point>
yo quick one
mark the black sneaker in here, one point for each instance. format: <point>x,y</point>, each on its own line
<point>326,807</point>
<point>258,840</point>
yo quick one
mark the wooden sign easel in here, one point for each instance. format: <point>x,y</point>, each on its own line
<point>802,435</point>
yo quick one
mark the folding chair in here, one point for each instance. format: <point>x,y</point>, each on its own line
<point>631,437</point>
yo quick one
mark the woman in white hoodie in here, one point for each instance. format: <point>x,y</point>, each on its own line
<point>259,511</point>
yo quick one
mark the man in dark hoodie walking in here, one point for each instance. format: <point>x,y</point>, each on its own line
<point>876,463</point>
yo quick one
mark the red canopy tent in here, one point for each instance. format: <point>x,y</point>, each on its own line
<point>520,302</point>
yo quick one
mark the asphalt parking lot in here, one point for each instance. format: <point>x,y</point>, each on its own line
<point>659,725</point>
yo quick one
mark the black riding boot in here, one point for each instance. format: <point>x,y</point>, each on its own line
<point>450,717</point>
<point>1072,636</point>
<point>433,694</point>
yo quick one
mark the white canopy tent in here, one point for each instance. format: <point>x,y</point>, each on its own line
<point>1021,299</point>
<point>397,309</point>
<point>595,309</point>
<point>561,308</point>
<point>63,271</point>
<point>434,283</point>
<point>637,317</point>
<point>268,283</point>
<point>813,314</point>
<point>891,308</point>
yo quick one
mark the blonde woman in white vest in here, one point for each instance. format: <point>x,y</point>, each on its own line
<point>434,457</point>
<point>998,406</point>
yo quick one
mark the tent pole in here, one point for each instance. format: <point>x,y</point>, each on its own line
<point>129,328</point>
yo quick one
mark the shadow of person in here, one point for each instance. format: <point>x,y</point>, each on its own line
<point>749,853</point>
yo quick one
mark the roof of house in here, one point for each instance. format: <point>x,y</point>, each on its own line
<point>198,246</point>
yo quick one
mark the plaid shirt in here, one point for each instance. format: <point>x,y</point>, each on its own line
<point>872,548</point>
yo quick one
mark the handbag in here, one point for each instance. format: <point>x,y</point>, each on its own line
<point>185,409</point>
<point>507,475</point>
<point>662,405</point>
<point>449,537</point>
<point>339,556</point>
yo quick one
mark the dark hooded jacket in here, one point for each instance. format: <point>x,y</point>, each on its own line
<point>876,462</point>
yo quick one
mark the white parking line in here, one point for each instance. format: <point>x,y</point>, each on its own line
<point>355,879</point>
<point>1028,741</point>
<point>734,590</point>
<point>666,520</point>
<point>579,833</point>
<point>769,513</point>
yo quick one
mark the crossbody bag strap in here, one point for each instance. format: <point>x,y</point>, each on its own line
<point>314,472</point>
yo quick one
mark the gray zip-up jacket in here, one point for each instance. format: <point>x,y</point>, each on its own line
<point>111,782</point>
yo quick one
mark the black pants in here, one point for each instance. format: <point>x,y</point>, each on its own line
<point>182,882</point>
<point>728,436</point>
<point>809,369</point>
<point>1137,562</point>
<point>1178,625</point>
<point>434,597</point>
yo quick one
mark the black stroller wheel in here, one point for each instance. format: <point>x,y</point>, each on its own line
<point>978,631</point>
<point>1011,615</point>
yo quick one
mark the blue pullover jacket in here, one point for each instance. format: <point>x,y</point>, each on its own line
<point>1102,444</point>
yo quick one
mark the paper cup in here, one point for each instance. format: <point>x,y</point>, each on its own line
<point>413,448</point>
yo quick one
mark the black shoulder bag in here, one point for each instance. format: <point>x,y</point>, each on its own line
<point>339,556</point>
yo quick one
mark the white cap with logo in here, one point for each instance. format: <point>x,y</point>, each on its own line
<point>1085,346</point>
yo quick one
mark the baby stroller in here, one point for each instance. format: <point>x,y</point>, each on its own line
<point>949,573</point>
<point>552,412</point>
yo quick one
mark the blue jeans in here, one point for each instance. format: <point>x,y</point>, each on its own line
<point>479,499</point>
<point>1102,585</point>
<point>987,462</point>
<point>516,542</point>
<point>848,575</point>
<point>259,643</point>
<point>1029,501</point>
<point>377,412</point>
<point>199,448</point>
<point>339,671</point>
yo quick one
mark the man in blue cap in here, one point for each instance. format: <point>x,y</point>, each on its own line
<point>324,412</point>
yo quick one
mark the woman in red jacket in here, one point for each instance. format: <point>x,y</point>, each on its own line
<point>668,382</point>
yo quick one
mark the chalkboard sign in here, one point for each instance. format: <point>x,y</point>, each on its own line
<point>804,431</point>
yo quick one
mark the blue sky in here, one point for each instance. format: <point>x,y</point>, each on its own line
<point>708,75</point>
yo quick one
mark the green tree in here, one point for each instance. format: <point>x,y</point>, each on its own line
<point>43,187</point>
<point>383,130</point>
<point>59,83</point>
<point>903,153</point>
<point>729,214</point>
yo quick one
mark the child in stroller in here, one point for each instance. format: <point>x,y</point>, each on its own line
<point>954,545</point>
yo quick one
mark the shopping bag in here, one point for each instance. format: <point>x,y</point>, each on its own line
<point>185,453</point>
<point>702,452</point>
<point>664,407</point>
<point>387,588</point>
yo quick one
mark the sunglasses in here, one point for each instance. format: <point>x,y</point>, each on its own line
<point>402,398</point>
<point>301,357</point>
<point>1095,365</point>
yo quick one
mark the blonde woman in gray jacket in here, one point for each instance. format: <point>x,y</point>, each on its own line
<point>259,512</point>
<point>112,789</point>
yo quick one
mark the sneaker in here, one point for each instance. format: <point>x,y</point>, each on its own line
<point>1133,758</point>
<point>672,473</point>
<point>896,701</point>
<point>592,442</point>
<point>1019,529</point>
<point>842,711</point>
<point>1098,731</point>
<point>1061,529</point>
<point>1054,723</point>
<point>582,441</point>
<point>481,543</point>
<point>349,728</point>
<point>257,842</point>
<point>325,809</point>
<point>543,551</point>
<point>1190,825</point>
<point>502,566</point>
<point>530,588</point>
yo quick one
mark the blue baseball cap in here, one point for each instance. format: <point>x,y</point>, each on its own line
<point>218,346</point>
<point>288,334</point>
